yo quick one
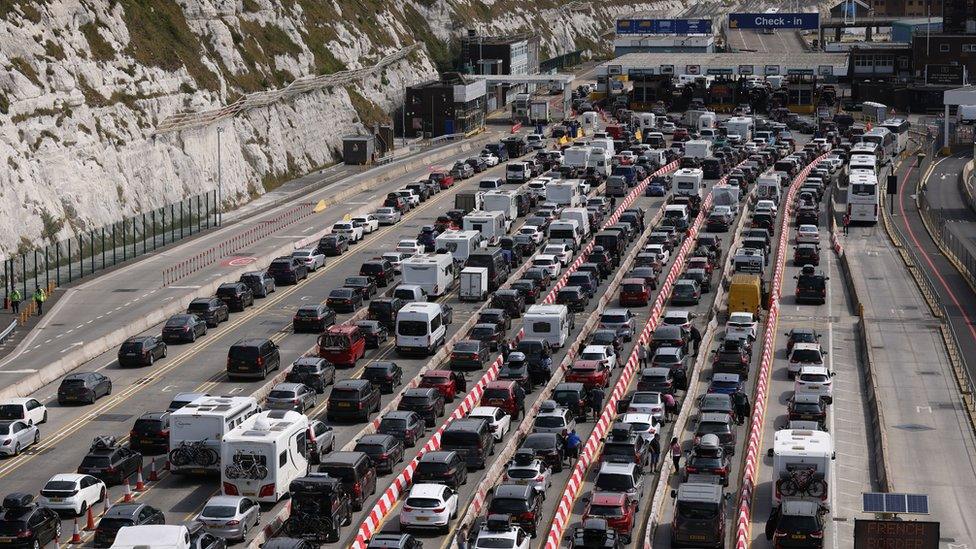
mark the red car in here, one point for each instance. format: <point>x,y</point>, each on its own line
<point>591,373</point>
<point>700,263</point>
<point>445,223</point>
<point>680,134</point>
<point>442,178</point>
<point>342,344</point>
<point>634,292</point>
<point>447,383</point>
<point>501,394</point>
<point>617,509</point>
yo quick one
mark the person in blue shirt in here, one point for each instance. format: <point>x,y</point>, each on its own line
<point>572,445</point>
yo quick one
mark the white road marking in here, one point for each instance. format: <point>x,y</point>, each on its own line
<point>25,371</point>
<point>183,287</point>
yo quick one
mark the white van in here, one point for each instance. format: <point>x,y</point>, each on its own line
<point>599,161</point>
<point>168,536</point>
<point>517,172</point>
<point>768,187</point>
<point>434,273</point>
<point>549,322</point>
<point>689,182</point>
<point>420,327</point>
<point>261,457</point>
<point>580,215</point>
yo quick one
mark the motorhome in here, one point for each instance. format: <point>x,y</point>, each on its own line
<point>195,431</point>
<point>491,225</point>
<point>590,120</point>
<point>551,323</point>
<point>801,454</point>
<point>576,157</point>
<point>501,201</point>
<point>689,182</point>
<point>460,243</point>
<point>742,126</point>
<point>434,273</point>
<point>599,162</point>
<point>420,327</point>
<point>153,536</point>
<point>706,121</point>
<point>605,143</point>
<point>647,121</point>
<point>260,457</point>
<point>565,192</point>
<point>699,148</point>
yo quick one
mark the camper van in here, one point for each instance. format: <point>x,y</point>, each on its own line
<point>551,323</point>
<point>491,225</point>
<point>501,201</point>
<point>261,456</point>
<point>797,452</point>
<point>698,148</point>
<point>565,193</point>
<point>434,273</point>
<point>689,182</point>
<point>599,162</point>
<point>420,327</point>
<point>205,421</point>
<point>576,157</point>
<point>460,243</point>
<point>647,121</point>
<point>742,126</point>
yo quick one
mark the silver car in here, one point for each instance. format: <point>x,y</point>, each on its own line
<point>291,396</point>
<point>311,258</point>
<point>16,435</point>
<point>388,216</point>
<point>621,321</point>
<point>230,517</point>
<point>321,440</point>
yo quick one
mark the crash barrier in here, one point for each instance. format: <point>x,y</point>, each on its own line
<point>393,493</point>
<point>516,127</point>
<point>8,330</point>
<point>565,507</point>
<point>756,422</point>
<point>236,243</point>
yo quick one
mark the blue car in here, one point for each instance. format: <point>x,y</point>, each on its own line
<point>654,189</point>
<point>726,384</point>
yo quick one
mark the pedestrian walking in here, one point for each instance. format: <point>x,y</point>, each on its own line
<point>462,537</point>
<point>675,453</point>
<point>506,350</point>
<point>572,445</point>
<point>655,452</point>
<point>613,204</point>
<point>520,399</point>
<point>39,298</point>
<point>642,354</point>
<point>742,407</point>
<point>670,406</point>
<point>680,379</point>
<point>847,223</point>
<point>695,338</point>
<point>15,298</point>
<point>595,401</point>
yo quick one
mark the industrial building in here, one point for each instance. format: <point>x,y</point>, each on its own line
<point>518,54</point>
<point>453,104</point>
<point>717,64</point>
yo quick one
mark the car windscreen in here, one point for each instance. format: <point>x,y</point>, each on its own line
<point>415,400</point>
<point>697,510</point>
<point>539,442</point>
<point>244,353</point>
<point>131,347</point>
<point>344,394</point>
<point>341,472</point>
<point>614,482</point>
<point>508,506</point>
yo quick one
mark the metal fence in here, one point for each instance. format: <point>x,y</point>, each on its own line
<point>953,244</point>
<point>91,251</point>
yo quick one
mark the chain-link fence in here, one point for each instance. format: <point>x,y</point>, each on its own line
<point>91,251</point>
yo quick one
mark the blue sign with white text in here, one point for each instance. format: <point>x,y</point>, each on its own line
<point>805,21</point>
<point>664,26</point>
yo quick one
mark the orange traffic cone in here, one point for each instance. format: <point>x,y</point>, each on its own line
<point>140,485</point>
<point>153,477</point>
<point>90,522</point>
<point>76,535</point>
<point>127,498</point>
<point>166,464</point>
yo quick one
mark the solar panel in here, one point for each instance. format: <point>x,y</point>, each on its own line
<point>873,502</point>
<point>895,503</point>
<point>918,504</point>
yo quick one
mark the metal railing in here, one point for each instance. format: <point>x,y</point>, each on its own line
<point>950,243</point>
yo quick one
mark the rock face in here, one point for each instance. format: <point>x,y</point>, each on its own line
<point>84,84</point>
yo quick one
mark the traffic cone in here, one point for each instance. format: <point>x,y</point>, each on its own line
<point>106,505</point>
<point>90,522</point>
<point>140,485</point>
<point>153,477</point>
<point>76,535</point>
<point>166,464</point>
<point>128,493</point>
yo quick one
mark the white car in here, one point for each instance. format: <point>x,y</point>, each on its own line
<point>645,425</point>
<point>815,380</point>
<point>490,159</point>
<point>548,262</point>
<point>668,127</point>
<point>766,205</point>
<point>679,317</point>
<point>72,492</point>
<point>395,258</point>
<point>28,409</point>
<point>499,420</point>
<point>647,402</point>
<point>311,258</point>
<point>409,246</point>
<point>741,325</point>
<point>804,354</point>
<point>388,216</point>
<point>429,506</point>
<point>533,232</point>
<point>368,222</point>
<point>535,141</point>
<point>412,198</point>
<point>534,473</point>
<point>16,435</point>
<point>347,229</point>
<point>663,255</point>
<point>807,234</point>
<point>600,353</point>
<point>561,251</point>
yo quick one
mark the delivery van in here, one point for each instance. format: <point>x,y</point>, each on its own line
<point>746,294</point>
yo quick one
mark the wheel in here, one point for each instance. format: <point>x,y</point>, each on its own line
<point>37,437</point>
<point>193,336</point>
<point>44,419</point>
<point>57,530</point>
<point>244,533</point>
<point>101,495</point>
<point>17,449</point>
<point>165,351</point>
<point>83,509</point>
<point>152,359</point>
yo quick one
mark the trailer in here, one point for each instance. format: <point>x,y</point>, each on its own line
<point>263,455</point>
<point>539,112</point>
<point>742,126</point>
<point>698,148</point>
<point>501,201</point>
<point>196,430</point>
<point>801,465</point>
<point>565,192</point>
<point>577,157</point>
<point>467,200</point>
<point>434,273</point>
<point>460,243</point>
<point>491,225</point>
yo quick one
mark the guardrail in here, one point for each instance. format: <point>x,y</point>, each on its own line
<point>8,330</point>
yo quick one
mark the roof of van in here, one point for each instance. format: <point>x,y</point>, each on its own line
<point>156,535</point>
<point>217,405</point>
<point>798,442</point>
<point>546,310</point>
<point>425,308</point>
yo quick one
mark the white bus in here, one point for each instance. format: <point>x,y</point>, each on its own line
<point>863,198</point>
<point>263,455</point>
<point>883,138</point>
<point>195,431</point>
<point>899,128</point>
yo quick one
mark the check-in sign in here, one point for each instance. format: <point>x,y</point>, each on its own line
<point>805,21</point>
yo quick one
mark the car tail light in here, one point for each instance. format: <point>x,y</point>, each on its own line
<point>816,535</point>
<point>438,509</point>
<point>266,491</point>
<point>527,516</point>
<point>232,523</point>
<point>690,469</point>
<point>25,534</point>
<point>230,489</point>
<point>110,469</point>
<point>260,361</point>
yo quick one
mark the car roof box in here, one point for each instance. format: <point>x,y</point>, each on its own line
<point>17,500</point>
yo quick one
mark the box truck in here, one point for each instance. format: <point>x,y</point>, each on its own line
<point>467,200</point>
<point>474,284</point>
<point>539,112</point>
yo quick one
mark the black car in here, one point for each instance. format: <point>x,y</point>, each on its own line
<point>83,387</point>
<point>352,399</point>
<point>477,163</point>
<point>607,337</point>
<point>540,275</point>
<point>344,300</point>
<point>442,467</point>
<point>385,451</point>
<point>211,309</point>
<point>110,462</point>
<point>375,333</point>
<point>380,270</point>
<point>288,270</point>
<point>384,374</point>
<point>429,403</point>
<point>499,317</point>
<point>517,369</point>
<point>260,282</point>
<point>150,434</point>
<point>141,350</point>
<point>625,446</point>
<point>511,301</point>
<point>489,334</point>
<point>574,298</point>
<point>332,244</point>
<point>521,502</point>
<point>362,284</point>
<point>407,426</point>
<point>547,447</point>
<point>25,524</point>
<point>312,371</point>
<point>121,515</point>
<point>469,354</point>
<point>313,318</point>
<point>184,328</point>
<point>236,295</point>
<point>811,285</point>
<point>530,289</point>
<point>384,310</point>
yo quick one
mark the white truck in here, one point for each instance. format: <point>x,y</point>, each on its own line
<point>501,201</point>
<point>549,322</point>
<point>698,148</point>
<point>474,284</point>
<point>577,157</point>
<point>539,111</point>
<point>434,273</point>
<point>460,243</point>
<point>801,465</point>
<point>689,182</point>
<point>742,126</point>
<point>564,192</point>
<point>491,225</point>
<point>580,216</point>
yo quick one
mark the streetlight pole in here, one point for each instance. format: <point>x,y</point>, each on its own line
<point>220,193</point>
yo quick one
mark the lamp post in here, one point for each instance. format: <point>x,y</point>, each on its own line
<point>220,193</point>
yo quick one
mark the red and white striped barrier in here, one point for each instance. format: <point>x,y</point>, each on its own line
<point>756,422</point>
<point>516,127</point>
